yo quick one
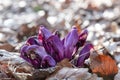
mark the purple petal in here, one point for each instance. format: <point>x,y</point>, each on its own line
<point>70,43</point>
<point>23,53</point>
<point>31,47</point>
<point>57,33</point>
<point>54,47</point>
<point>36,55</point>
<point>84,54</point>
<point>40,51</point>
<point>82,38</point>
<point>47,60</point>
<point>34,41</point>
<point>44,33</point>
<point>27,55</point>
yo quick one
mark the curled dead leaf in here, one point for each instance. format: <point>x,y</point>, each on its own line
<point>73,74</point>
<point>104,66</point>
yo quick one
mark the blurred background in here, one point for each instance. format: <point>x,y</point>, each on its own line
<point>20,19</point>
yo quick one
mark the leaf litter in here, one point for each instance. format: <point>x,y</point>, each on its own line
<point>101,18</point>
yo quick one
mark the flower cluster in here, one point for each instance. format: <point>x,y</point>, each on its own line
<point>47,49</point>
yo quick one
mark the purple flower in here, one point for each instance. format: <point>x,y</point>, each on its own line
<point>57,33</point>
<point>23,53</point>
<point>84,54</point>
<point>52,44</point>
<point>47,60</point>
<point>34,41</point>
<point>70,42</point>
<point>82,38</point>
<point>47,49</point>
<point>37,56</point>
<point>30,56</point>
<point>44,33</point>
<point>54,47</point>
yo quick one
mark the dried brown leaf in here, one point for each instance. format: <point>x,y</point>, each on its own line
<point>104,66</point>
<point>41,74</point>
<point>73,74</point>
<point>7,46</point>
<point>64,63</point>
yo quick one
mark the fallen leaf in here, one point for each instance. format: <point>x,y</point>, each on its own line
<point>104,66</point>
<point>95,77</point>
<point>73,74</point>
<point>7,46</point>
<point>66,71</point>
<point>42,74</point>
<point>69,73</point>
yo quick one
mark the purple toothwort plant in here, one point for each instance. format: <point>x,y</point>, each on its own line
<point>46,49</point>
<point>84,54</point>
